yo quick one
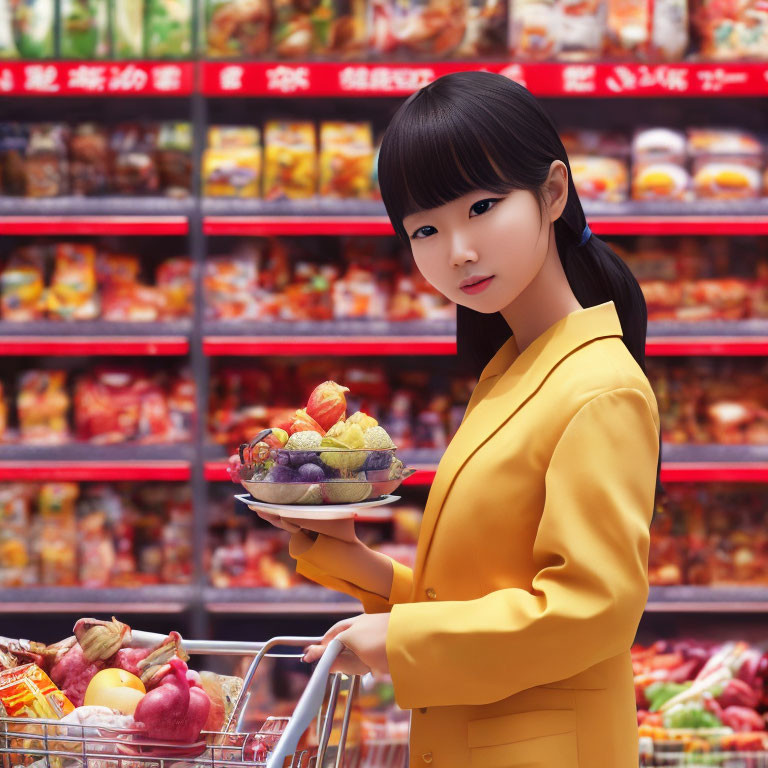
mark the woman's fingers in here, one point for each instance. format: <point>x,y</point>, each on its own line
<point>314,652</point>
<point>348,663</point>
<point>275,520</point>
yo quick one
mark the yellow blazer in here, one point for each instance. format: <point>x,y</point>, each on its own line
<point>510,639</point>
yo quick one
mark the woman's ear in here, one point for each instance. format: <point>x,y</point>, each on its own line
<point>556,189</point>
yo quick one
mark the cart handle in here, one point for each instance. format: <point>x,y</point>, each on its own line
<point>307,707</point>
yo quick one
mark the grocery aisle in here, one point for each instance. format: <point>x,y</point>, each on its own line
<point>193,239</point>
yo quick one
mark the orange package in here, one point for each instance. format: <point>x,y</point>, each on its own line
<point>27,691</point>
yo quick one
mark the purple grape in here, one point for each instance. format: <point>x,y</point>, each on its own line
<point>297,458</point>
<point>378,460</point>
<point>311,473</point>
<point>284,458</point>
<point>281,474</point>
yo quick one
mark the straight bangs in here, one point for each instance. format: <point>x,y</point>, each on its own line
<point>437,149</point>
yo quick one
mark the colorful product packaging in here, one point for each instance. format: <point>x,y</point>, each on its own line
<point>290,160</point>
<point>346,160</point>
<point>237,28</point>
<point>232,163</point>
<point>169,28</point>
<point>26,691</point>
<point>84,29</point>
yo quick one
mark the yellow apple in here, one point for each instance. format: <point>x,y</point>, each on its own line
<point>116,689</point>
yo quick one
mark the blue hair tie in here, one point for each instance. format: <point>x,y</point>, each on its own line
<point>585,235</point>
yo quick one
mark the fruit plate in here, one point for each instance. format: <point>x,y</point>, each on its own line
<point>315,511</point>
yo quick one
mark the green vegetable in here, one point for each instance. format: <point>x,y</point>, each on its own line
<point>660,692</point>
<point>690,715</point>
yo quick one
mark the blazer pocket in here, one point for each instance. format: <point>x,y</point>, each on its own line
<point>519,726</point>
<point>544,738</point>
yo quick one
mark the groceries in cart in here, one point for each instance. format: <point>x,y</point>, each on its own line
<point>319,456</point>
<point>100,677</point>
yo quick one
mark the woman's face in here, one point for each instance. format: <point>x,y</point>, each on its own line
<point>483,234</point>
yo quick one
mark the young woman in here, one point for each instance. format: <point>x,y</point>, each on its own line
<point>510,639</point>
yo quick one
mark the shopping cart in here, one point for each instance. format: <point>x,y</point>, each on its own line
<point>49,744</point>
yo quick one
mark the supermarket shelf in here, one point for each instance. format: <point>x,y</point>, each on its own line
<point>87,601</point>
<point>58,339</point>
<point>556,79</point>
<point>707,599</point>
<point>300,599</point>
<point>93,225</point>
<point>94,463</point>
<point>97,78</point>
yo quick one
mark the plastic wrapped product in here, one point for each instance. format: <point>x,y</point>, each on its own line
<point>174,158</point>
<point>237,28</point>
<point>33,23</point>
<point>73,294</point>
<point>346,157</point>
<point>232,163</point>
<point>22,297</point>
<point>533,29</point>
<point>134,165</point>
<point>84,29</point>
<point>290,160</point>
<point>14,138</point>
<point>339,29</point>
<point>581,29</point>
<point>46,160</point>
<point>128,28</point>
<point>731,31</point>
<point>42,406</point>
<point>604,179</point>
<point>486,30</point>
<point>169,28</point>
<point>8,48</point>
<point>89,166</point>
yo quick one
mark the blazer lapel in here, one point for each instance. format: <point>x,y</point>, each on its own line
<point>508,381</point>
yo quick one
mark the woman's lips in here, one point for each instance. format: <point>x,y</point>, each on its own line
<point>478,287</point>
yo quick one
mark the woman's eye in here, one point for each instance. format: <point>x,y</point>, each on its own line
<point>415,235</point>
<point>483,203</point>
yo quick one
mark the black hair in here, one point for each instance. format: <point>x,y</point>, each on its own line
<point>479,130</point>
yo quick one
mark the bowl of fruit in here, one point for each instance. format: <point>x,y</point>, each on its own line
<point>319,456</point>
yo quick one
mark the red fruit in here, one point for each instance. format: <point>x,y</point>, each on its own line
<point>327,404</point>
<point>303,422</point>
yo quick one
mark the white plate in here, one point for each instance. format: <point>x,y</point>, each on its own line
<point>314,511</point>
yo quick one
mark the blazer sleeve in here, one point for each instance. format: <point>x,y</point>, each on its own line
<point>324,562</point>
<point>587,598</point>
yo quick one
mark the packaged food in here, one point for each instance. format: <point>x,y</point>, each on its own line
<point>232,164</point>
<point>13,151</point>
<point>33,27</point>
<point>290,160</point>
<point>42,407</point>
<point>174,158</point>
<point>339,30</point>
<point>292,32</point>
<point>84,29</point>
<point>581,29</point>
<point>731,31</point>
<point>108,405</point>
<point>600,178</point>
<point>46,161</point>
<point>3,415</point>
<point>237,28</point>
<point>8,48</point>
<point>21,286</point>
<point>725,179</point>
<point>128,26</point>
<point>117,268</point>
<point>669,30</point>
<point>346,159</point>
<point>486,30</point>
<point>731,142</point>
<point>72,294</point>
<point>169,28</point>
<point>533,29</point>
<point>55,534</point>
<point>628,29</point>
<point>429,28</point>
<point>132,302</point>
<point>89,165</point>
<point>659,144</point>
<point>26,691</point>
<point>660,181</point>
<point>230,285</point>
<point>182,407</point>
<point>134,167</point>
<point>15,556</point>
<point>175,280</point>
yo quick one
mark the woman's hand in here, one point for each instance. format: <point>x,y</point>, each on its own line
<point>364,638</point>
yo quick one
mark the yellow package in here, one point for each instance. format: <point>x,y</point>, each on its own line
<point>27,691</point>
<point>22,288</point>
<point>73,295</point>
<point>290,160</point>
<point>346,160</point>
<point>231,172</point>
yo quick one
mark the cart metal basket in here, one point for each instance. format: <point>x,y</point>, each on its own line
<point>49,744</point>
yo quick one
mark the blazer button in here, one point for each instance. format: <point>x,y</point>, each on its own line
<point>423,710</point>
<point>427,757</point>
<point>431,594</point>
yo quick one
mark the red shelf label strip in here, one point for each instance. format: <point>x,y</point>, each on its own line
<point>69,346</point>
<point>98,471</point>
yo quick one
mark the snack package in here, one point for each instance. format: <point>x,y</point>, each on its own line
<point>731,31</point>
<point>230,285</point>
<point>132,302</point>
<point>659,144</point>
<point>182,407</point>
<point>55,534</point>
<point>628,29</point>
<point>600,178</point>
<point>237,28</point>
<point>290,160</point>
<point>232,164</point>
<point>338,29</point>
<point>429,28</point>
<point>725,179</point>
<point>15,555</point>
<point>26,691</point>
<point>174,158</point>
<point>731,142</point>
<point>8,48</point>
<point>169,28</point>
<point>346,159</point>
<point>117,268</point>
<point>669,30</point>
<point>292,32</point>
<point>660,181</point>
<point>72,294</point>
<point>3,415</point>
<point>22,297</point>
<point>46,161</point>
<point>89,165</point>
<point>108,405</point>
<point>14,138</point>
<point>128,28</point>
<point>581,29</point>
<point>134,167</point>
<point>175,280</point>
<point>33,24</point>
<point>42,405</point>
<point>533,29</point>
<point>486,30</point>
<point>84,29</point>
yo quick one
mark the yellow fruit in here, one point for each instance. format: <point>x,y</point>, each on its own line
<point>116,689</point>
<point>363,419</point>
<point>337,429</point>
<point>353,436</point>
